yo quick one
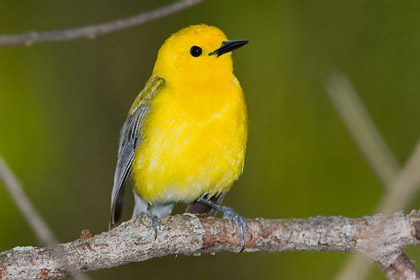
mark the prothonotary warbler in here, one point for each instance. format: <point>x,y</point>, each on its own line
<point>185,136</point>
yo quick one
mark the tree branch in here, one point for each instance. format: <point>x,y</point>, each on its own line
<point>91,31</point>
<point>381,238</point>
<point>401,269</point>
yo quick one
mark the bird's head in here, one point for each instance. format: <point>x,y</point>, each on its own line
<point>197,54</point>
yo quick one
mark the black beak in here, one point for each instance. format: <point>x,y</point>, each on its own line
<point>228,46</point>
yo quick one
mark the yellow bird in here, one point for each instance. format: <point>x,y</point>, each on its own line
<point>185,136</point>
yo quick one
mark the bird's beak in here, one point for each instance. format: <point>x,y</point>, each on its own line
<point>228,46</point>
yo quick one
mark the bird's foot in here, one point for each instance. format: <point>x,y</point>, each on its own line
<point>237,221</point>
<point>155,222</point>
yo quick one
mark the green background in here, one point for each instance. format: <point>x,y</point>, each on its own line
<point>62,105</point>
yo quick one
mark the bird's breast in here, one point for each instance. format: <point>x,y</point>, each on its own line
<point>192,144</point>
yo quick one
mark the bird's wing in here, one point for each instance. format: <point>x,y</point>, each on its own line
<point>130,139</point>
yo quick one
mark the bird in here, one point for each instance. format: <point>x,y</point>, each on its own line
<point>185,136</point>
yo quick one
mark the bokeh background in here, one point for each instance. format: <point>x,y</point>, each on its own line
<point>62,105</point>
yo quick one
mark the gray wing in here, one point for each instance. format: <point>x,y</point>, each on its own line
<point>130,139</point>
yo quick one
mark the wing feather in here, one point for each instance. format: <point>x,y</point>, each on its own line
<point>130,139</point>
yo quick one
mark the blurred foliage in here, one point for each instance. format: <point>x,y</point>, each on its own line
<point>62,105</point>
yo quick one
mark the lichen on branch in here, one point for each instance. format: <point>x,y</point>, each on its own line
<point>381,238</point>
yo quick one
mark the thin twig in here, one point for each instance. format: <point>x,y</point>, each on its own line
<point>401,185</point>
<point>362,129</point>
<point>381,238</point>
<point>91,31</point>
<point>34,219</point>
<point>401,194</point>
<point>31,215</point>
<point>405,187</point>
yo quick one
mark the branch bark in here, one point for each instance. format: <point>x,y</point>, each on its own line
<point>381,238</point>
<point>91,31</point>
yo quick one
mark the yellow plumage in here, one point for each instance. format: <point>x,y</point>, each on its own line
<point>192,144</point>
<point>191,123</point>
<point>195,135</point>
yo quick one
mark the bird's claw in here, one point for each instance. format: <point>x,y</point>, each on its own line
<point>237,221</point>
<point>155,222</point>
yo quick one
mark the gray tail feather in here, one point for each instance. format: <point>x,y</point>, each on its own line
<point>116,209</point>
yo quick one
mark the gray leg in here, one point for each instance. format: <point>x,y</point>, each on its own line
<point>161,210</point>
<point>155,212</point>
<point>140,206</point>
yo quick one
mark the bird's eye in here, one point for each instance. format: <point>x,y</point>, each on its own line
<point>195,51</point>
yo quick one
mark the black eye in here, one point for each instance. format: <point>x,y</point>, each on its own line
<point>195,51</point>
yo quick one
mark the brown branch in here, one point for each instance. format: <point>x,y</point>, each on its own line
<point>91,31</point>
<point>401,269</point>
<point>381,238</point>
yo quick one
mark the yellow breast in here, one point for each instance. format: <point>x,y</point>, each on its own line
<point>193,143</point>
